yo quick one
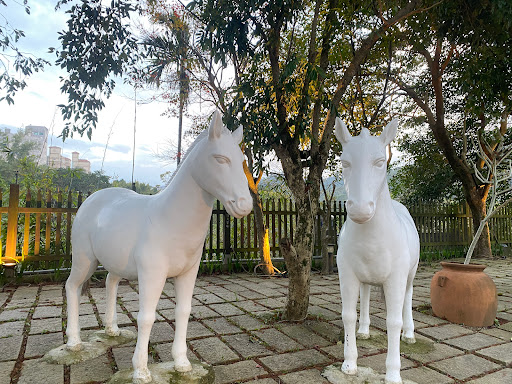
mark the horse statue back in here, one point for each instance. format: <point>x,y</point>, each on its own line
<point>378,245</point>
<point>151,238</point>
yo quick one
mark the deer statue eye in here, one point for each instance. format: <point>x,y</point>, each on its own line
<point>222,159</point>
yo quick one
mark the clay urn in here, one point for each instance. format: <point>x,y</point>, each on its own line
<point>464,294</point>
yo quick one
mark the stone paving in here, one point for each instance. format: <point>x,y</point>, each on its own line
<point>233,328</point>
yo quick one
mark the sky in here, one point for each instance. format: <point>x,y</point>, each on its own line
<point>36,105</point>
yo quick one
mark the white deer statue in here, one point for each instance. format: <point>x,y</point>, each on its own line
<point>151,238</point>
<point>378,245</point>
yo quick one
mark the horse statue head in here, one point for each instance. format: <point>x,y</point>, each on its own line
<point>221,171</point>
<point>364,168</point>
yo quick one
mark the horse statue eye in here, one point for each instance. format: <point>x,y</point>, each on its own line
<point>345,164</point>
<point>222,159</point>
<point>379,163</point>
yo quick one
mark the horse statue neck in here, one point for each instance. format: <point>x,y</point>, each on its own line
<point>183,193</point>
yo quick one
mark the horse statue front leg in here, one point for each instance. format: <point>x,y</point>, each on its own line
<point>394,291</point>
<point>349,285</point>
<point>184,288</point>
<point>151,284</point>
<point>364,312</point>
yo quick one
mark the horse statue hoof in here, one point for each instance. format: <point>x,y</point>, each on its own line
<point>182,366</point>
<point>408,340</point>
<point>114,332</point>
<point>74,347</point>
<point>141,376</point>
<point>349,369</point>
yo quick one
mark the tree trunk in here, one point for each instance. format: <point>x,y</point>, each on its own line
<point>298,261</point>
<point>299,268</point>
<point>478,212</point>
<point>327,257</point>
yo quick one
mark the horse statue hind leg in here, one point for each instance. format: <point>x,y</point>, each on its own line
<point>84,265</point>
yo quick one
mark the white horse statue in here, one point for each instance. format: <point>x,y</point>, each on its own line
<point>151,238</point>
<point>378,245</point>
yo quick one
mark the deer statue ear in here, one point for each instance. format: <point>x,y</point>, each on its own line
<point>238,135</point>
<point>341,131</point>
<point>216,126</point>
<point>389,132</point>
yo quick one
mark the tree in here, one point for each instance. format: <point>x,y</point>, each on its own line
<point>97,46</point>
<point>456,68</point>
<point>169,56</point>
<point>301,67</point>
<point>15,65</point>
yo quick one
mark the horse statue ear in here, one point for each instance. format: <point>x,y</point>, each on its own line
<point>341,131</point>
<point>389,132</point>
<point>216,126</point>
<point>238,134</point>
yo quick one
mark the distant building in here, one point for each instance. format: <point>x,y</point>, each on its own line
<point>54,159</point>
<point>38,135</point>
<point>57,161</point>
<point>80,163</point>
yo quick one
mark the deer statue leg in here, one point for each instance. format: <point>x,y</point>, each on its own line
<point>112,283</point>
<point>408,326</point>
<point>394,291</point>
<point>364,312</point>
<point>82,269</point>
<point>151,284</point>
<point>349,285</point>
<point>184,289</point>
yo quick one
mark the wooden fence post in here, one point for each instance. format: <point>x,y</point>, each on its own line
<point>12,222</point>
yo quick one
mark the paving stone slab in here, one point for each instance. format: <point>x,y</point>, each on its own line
<point>39,371</point>
<point>236,372</point>
<point>196,329</point>
<point>311,376</point>
<point>261,381</point>
<point>499,333</point>
<point>213,351</point>
<point>47,311</point>
<point>474,341</point>
<point>247,322</point>
<point>226,309</point>
<point>440,352</point>
<point>465,366</point>
<point>14,314</point>
<point>12,328</point>
<point>10,347</point>
<point>209,298</point>
<point>6,368</point>
<point>294,360</point>
<point>38,345</point>
<point>424,375</point>
<point>46,325</point>
<point>444,332</point>
<point>198,312</point>
<point>304,336</point>
<point>277,340</point>
<point>161,332</point>
<point>246,345</point>
<point>326,330</point>
<point>501,377</point>
<point>221,326</point>
<point>97,369</point>
<point>500,353</point>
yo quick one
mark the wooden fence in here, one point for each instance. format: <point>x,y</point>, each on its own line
<point>39,229</point>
